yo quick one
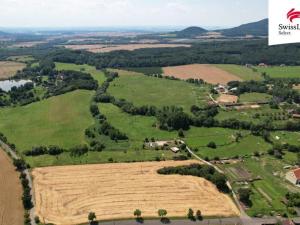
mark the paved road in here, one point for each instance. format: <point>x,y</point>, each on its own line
<point>30,183</point>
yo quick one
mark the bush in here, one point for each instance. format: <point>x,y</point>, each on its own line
<point>212,145</point>
<point>79,150</point>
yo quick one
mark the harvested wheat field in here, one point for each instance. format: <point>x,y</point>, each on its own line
<point>206,72</point>
<point>9,69</point>
<point>129,47</point>
<point>65,195</point>
<point>11,208</point>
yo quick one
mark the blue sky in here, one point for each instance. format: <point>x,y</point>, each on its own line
<point>98,13</point>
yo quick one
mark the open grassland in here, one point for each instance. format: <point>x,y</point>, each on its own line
<point>97,74</point>
<point>21,58</point>
<point>209,73</point>
<point>270,186</point>
<point>280,72</point>
<point>146,70</point>
<point>137,128</point>
<point>62,200</point>
<point>98,48</point>
<point>277,116</point>
<point>227,146</point>
<point>116,153</point>
<point>254,97</point>
<point>59,120</point>
<point>9,69</point>
<point>243,72</point>
<point>11,208</point>
<point>144,90</point>
<point>285,137</point>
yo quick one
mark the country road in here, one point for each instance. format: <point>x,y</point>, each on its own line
<point>244,215</point>
<point>15,156</point>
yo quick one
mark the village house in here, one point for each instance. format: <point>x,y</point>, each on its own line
<point>221,89</point>
<point>294,176</point>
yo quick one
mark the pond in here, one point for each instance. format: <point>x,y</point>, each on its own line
<point>6,85</point>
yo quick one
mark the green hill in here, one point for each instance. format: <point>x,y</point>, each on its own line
<point>259,28</point>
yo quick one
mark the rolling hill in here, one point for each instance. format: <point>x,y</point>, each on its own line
<point>190,32</point>
<point>259,28</point>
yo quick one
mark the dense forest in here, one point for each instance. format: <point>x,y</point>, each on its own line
<point>230,52</point>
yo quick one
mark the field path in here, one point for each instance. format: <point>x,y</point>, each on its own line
<point>15,156</point>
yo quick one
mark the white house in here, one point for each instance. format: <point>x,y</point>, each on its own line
<point>294,176</point>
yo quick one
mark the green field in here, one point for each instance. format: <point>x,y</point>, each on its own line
<point>280,72</point>
<point>100,157</point>
<point>58,120</point>
<point>144,90</point>
<point>146,70</point>
<point>277,116</point>
<point>227,147</point>
<point>21,58</point>
<point>137,128</point>
<point>254,97</point>
<point>96,74</point>
<point>292,138</point>
<point>241,71</point>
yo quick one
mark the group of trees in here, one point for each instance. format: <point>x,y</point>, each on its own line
<point>205,171</point>
<point>173,118</point>
<point>43,150</point>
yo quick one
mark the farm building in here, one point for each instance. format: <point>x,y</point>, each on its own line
<point>227,99</point>
<point>175,149</point>
<point>262,65</point>
<point>294,176</point>
<point>221,89</point>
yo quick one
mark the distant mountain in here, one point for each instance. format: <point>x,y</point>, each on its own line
<point>190,32</point>
<point>259,28</point>
<point>3,33</point>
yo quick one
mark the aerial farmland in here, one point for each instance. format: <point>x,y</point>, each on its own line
<point>154,125</point>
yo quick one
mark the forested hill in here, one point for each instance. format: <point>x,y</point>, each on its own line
<point>190,32</point>
<point>259,28</point>
<point>229,52</point>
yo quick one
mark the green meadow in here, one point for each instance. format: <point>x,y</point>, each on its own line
<point>59,120</point>
<point>280,71</point>
<point>255,97</point>
<point>96,74</point>
<point>243,72</point>
<point>145,90</point>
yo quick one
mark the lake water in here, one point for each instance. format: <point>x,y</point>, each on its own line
<point>6,85</point>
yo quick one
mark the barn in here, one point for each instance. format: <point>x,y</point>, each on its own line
<point>294,176</point>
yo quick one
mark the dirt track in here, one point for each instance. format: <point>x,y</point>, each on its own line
<point>128,47</point>
<point>11,208</point>
<point>208,73</point>
<point>65,195</point>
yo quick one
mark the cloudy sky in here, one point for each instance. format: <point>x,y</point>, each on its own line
<point>98,13</point>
